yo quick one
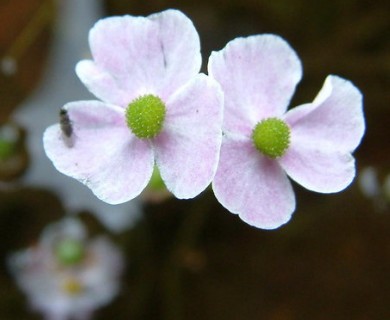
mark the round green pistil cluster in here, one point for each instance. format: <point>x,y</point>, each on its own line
<point>145,116</point>
<point>271,137</point>
<point>69,252</point>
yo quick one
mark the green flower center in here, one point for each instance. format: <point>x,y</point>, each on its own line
<point>7,149</point>
<point>271,137</point>
<point>145,116</point>
<point>10,137</point>
<point>69,252</point>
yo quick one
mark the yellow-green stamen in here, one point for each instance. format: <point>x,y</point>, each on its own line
<point>271,137</point>
<point>145,116</point>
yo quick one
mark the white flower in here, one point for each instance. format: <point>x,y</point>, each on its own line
<point>65,275</point>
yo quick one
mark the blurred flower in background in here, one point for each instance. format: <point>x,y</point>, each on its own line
<point>66,275</point>
<point>375,187</point>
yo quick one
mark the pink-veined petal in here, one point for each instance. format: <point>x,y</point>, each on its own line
<point>103,154</point>
<point>316,166</point>
<point>258,75</point>
<point>252,186</point>
<point>187,150</point>
<point>335,118</point>
<point>155,54</point>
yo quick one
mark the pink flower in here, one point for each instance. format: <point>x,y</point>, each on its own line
<point>263,143</point>
<point>155,108</point>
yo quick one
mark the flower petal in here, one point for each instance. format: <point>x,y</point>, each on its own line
<point>156,54</point>
<point>258,75</point>
<point>102,84</point>
<point>335,118</point>
<point>187,150</point>
<point>180,50</point>
<point>69,227</point>
<point>316,166</point>
<point>104,155</point>
<point>252,186</point>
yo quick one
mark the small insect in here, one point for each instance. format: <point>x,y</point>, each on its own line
<point>66,127</point>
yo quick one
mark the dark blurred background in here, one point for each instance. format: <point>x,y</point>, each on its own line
<point>193,259</point>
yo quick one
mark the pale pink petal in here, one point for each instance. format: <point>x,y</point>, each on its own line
<point>335,118</point>
<point>252,186</point>
<point>180,48</point>
<point>103,155</point>
<point>316,166</point>
<point>102,84</point>
<point>258,75</point>
<point>187,150</point>
<point>156,54</point>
